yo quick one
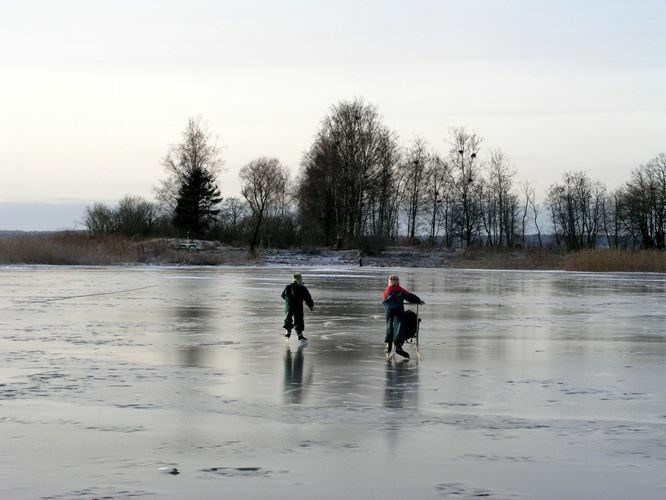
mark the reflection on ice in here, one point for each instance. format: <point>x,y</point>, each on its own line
<point>294,385</point>
<point>402,385</point>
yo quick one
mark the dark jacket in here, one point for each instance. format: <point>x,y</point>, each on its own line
<point>295,294</point>
<point>395,296</point>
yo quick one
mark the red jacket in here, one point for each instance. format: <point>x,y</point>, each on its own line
<point>392,289</point>
<point>395,295</point>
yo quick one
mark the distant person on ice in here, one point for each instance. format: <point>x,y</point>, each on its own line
<point>294,295</point>
<point>394,298</point>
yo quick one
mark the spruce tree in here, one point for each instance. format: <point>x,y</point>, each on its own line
<point>198,197</point>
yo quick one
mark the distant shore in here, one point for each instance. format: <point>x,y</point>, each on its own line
<point>81,249</point>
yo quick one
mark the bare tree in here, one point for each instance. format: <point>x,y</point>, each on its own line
<point>530,209</point>
<point>264,183</point>
<point>381,203</point>
<point>643,203</point>
<point>417,161</point>
<point>501,199</point>
<point>466,180</point>
<point>346,175</point>
<point>133,216</point>
<point>196,152</point>
<point>437,179</point>
<point>535,214</point>
<point>232,212</point>
<point>99,219</point>
<point>612,218</point>
<point>576,210</point>
<point>528,197</point>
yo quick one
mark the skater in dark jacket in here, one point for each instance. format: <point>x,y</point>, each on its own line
<point>294,295</point>
<point>394,298</point>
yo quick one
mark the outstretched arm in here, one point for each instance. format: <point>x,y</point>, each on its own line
<point>413,299</point>
<point>308,299</point>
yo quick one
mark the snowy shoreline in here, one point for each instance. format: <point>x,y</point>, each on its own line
<point>410,257</point>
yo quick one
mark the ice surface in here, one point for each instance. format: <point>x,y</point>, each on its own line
<point>541,385</point>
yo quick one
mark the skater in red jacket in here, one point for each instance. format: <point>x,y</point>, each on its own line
<point>394,298</point>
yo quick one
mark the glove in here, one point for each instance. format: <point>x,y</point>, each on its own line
<point>312,309</point>
<point>422,302</point>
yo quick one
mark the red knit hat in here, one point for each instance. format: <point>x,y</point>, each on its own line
<point>393,280</point>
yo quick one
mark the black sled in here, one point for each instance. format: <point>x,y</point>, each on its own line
<point>411,324</point>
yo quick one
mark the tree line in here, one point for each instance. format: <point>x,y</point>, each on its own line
<point>357,187</point>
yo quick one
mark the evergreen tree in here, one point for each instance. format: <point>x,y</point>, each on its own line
<point>198,197</point>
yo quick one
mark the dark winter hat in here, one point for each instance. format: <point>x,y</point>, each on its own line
<point>298,278</point>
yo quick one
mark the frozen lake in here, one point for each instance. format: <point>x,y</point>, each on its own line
<point>531,385</point>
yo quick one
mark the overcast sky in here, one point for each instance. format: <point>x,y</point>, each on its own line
<point>92,93</point>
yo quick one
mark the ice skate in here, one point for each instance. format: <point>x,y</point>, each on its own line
<point>398,350</point>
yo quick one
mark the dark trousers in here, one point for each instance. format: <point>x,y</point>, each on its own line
<point>294,319</point>
<point>394,326</point>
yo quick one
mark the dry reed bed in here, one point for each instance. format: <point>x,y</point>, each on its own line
<point>71,248</point>
<point>528,259</point>
<point>608,260</point>
<point>64,249</point>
